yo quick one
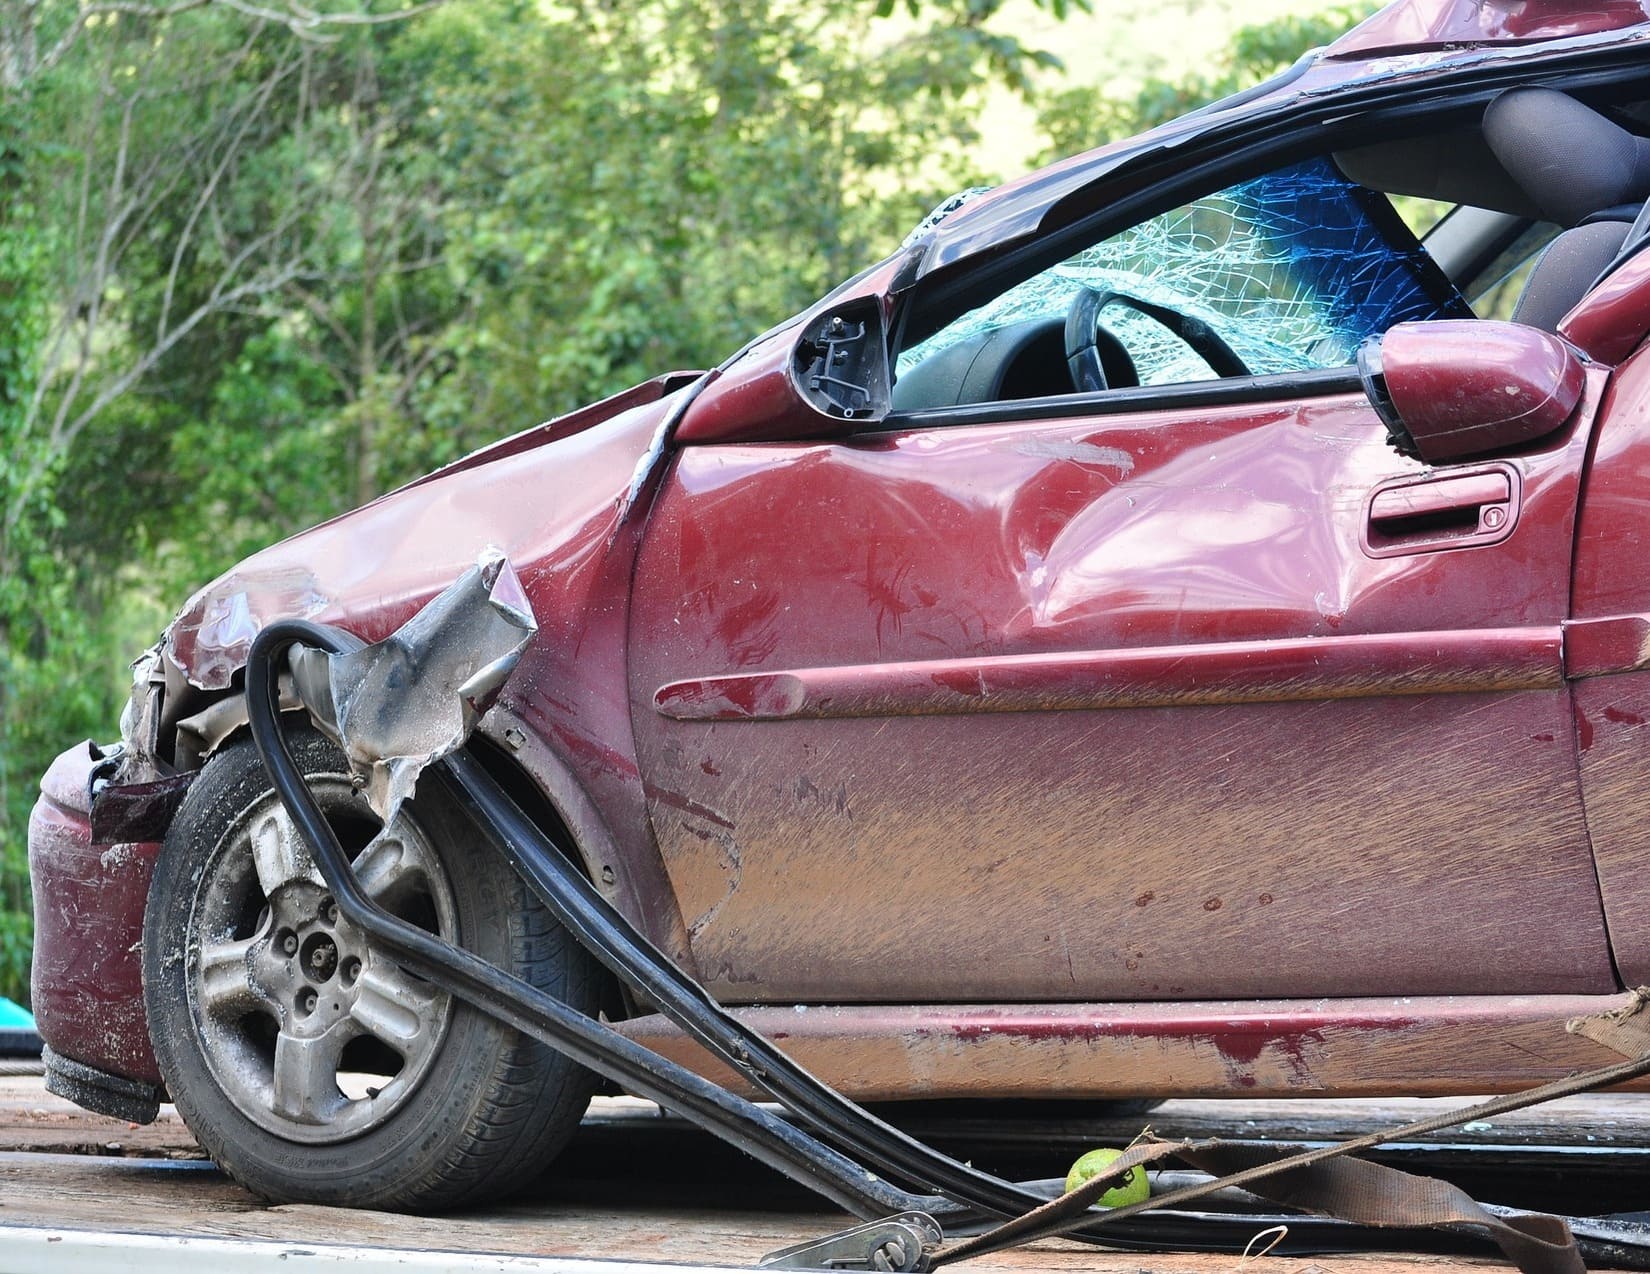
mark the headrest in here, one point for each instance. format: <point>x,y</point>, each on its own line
<point>1569,159</point>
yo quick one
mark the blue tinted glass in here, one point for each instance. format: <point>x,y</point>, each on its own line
<point>1293,270</point>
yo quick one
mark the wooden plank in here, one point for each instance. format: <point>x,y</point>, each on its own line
<point>33,1119</point>
<point>160,1197</point>
<point>641,1186</point>
<point>77,1193</point>
<point>38,1251</point>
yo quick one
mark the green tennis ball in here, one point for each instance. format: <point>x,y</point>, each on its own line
<point>1131,1187</point>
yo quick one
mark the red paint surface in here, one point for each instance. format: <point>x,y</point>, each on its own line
<point>1611,321</point>
<point>800,600</point>
<point>1599,647</point>
<point>1610,634</point>
<point>745,399</point>
<point>87,983</point>
<point>1467,387</point>
<point>1421,24</point>
<point>1613,532</point>
<point>1334,667</point>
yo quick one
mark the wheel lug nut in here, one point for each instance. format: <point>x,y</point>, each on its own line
<point>289,943</point>
<point>319,956</point>
<point>352,969</point>
<point>307,1000</point>
<point>329,912</point>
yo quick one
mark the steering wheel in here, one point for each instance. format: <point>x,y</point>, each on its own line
<point>1084,358</point>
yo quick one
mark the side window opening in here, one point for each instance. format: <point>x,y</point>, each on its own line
<point>1290,270</point>
<point>1420,214</point>
<point>1494,294</point>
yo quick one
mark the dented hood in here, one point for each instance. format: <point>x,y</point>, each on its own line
<point>548,498</point>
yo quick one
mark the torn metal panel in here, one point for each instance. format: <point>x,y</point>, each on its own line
<point>139,719</point>
<point>137,811</point>
<point>210,637</point>
<point>400,704</point>
<point>551,500</point>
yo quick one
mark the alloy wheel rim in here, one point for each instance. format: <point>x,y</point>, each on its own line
<point>311,1032</point>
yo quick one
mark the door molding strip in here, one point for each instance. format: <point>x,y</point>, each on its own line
<point>1467,661</point>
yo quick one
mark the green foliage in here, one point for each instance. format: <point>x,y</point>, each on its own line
<point>1086,116</point>
<point>22,320</point>
<point>247,281</point>
<point>643,188</point>
<point>977,11</point>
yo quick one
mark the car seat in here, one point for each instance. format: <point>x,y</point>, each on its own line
<point>1584,172</point>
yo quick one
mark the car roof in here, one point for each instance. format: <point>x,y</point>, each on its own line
<point>1408,41</point>
<point>1411,25</point>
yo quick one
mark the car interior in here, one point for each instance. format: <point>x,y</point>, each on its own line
<point>1289,272</point>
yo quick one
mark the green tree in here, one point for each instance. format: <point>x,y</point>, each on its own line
<point>253,276</point>
<point>259,263</point>
<point>22,310</point>
<point>167,182</point>
<point>1088,115</point>
<point>644,187</point>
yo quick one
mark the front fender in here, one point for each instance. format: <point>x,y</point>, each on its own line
<point>558,511</point>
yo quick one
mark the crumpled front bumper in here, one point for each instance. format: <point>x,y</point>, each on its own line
<point>87,985</point>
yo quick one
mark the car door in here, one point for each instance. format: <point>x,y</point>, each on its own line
<point>1191,689</point>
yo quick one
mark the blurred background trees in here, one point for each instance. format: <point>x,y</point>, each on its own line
<point>260,263</point>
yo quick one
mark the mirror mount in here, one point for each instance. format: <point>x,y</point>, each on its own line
<point>824,375</point>
<point>1454,389</point>
<point>842,363</point>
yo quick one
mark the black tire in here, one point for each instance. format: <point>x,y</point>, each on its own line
<point>466,1107</point>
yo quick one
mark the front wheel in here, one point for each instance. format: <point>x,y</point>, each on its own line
<point>306,1062</point>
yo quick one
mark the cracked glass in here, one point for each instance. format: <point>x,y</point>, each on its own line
<point>1293,270</point>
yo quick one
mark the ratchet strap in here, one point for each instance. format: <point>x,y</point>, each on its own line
<point>1325,1181</point>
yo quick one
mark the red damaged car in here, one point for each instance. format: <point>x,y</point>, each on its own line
<point>1167,630</point>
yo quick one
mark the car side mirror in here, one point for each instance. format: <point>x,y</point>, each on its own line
<point>1455,388</point>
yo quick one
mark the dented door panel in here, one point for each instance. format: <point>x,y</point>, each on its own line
<point>1607,651</point>
<point>1109,708</point>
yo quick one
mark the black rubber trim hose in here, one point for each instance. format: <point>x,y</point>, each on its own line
<point>549,872</point>
<point>966,1197</point>
<point>759,1133</point>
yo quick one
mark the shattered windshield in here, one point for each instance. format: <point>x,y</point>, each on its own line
<point>1293,270</point>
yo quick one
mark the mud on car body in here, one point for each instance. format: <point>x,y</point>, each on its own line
<point>1155,634</point>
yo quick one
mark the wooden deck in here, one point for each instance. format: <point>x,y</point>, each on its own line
<point>647,1190</point>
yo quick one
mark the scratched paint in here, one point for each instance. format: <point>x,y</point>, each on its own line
<point>1419,24</point>
<point>1423,844</point>
<point>88,914</point>
<point>1437,1047</point>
